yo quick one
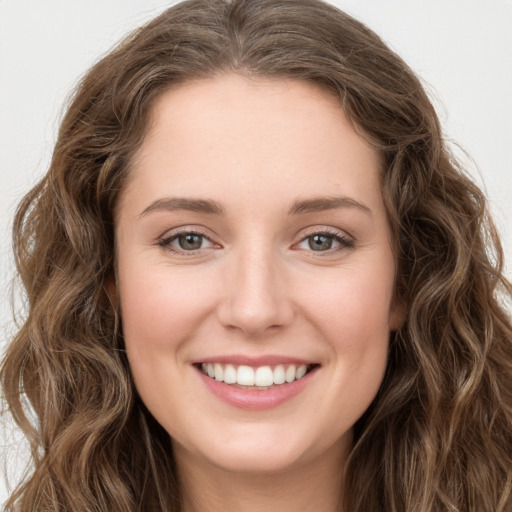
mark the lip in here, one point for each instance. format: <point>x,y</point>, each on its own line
<point>268,360</point>
<point>252,399</point>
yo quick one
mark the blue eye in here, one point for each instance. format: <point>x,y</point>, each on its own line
<point>320,242</point>
<point>323,242</point>
<point>190,241</point>
<point>187,241</point>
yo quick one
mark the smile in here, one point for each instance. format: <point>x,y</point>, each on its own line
<point>261,377</point>
<point>256,383</point>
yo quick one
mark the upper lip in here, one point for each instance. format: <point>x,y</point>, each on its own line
<point>264,360</point>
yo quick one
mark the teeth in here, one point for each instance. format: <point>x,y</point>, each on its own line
<point>229,374</point>
<point>263,376</point>
<point>279,375</point>
<point>290,374</point>
<point>301,371</point>
<point>218,372</point>
<point>245,376</point>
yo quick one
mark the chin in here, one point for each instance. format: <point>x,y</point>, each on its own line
<point>254,451</point>
<point>256,461</point>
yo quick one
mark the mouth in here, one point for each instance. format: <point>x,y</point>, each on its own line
<point>255,378</point>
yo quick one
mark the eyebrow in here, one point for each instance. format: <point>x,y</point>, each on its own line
<point>299,206</point>
<point>319,204</point>
<point>183,203</point>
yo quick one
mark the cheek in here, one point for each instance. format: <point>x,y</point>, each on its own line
<point>353,315</point>
<point>160,309</point>
<point>355,307</point>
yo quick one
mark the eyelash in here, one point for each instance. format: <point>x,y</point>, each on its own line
<point>344,241</point>
<point>165,243</point>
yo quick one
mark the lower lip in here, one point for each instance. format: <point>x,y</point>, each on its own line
<point>253,399</point>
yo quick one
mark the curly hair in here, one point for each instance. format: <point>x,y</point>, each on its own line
<point>438,436</point>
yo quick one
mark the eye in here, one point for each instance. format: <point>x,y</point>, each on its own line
<point>186,241</point>
<point>325,241</point>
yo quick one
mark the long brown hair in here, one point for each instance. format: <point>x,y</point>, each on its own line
<point>438,435</point>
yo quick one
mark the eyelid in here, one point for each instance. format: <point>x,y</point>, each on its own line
<point>345,240</point>
<point>315,230</point>
<point>169,236</point>
<point>326,230</point>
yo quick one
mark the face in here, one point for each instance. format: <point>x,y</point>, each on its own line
<point>255,273</point>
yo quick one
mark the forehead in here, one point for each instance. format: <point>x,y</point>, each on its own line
<point>255,135</point>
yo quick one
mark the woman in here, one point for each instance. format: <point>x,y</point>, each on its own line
<point>257,279</point>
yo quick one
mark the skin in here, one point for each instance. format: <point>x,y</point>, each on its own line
<point>255,286</point>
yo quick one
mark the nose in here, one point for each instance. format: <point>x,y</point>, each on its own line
<point>255,298</point>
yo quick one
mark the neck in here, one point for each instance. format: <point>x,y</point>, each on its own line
<point>315,485</point>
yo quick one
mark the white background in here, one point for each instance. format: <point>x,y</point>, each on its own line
<point>461,48</point>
